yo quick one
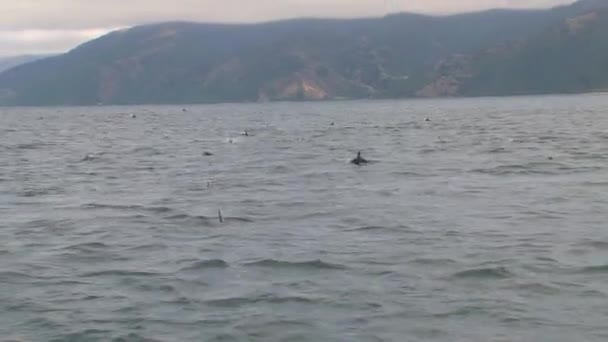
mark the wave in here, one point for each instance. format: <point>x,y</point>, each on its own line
<point>462,312</point>
<point>314,264</point>
<point>129,337</point>
<point>595,244</point>
<point>594,293</point>
<point>595,269</point>
<point>92,206</point>
<point>123,206</point>
<point>378,228</point>
<point>143,168</point>
<point>206,219</point>
<point>538,288</point>
<point>547,259</point>
<point>189,218</point>
<point>28,146</point>
<point>13,275</point>
<point>159,210</point>
<point>594,183</point>
<point>148,247</point>
<point>157,288</point>
<point>428,150</point>
<point>95,334</point>
<point>87,245</point>
<point>534,168</point>
<point>271,299</point>
<point>41,192</point>
<point>150,151</point>
<point>366,228</point>
<point>206,264</point>
<point>109,206</point>
<point>484,273</point>
<point>238,219</point>
<point>434,261</point>
<point>550,138</point>
<point>48,224</point>
<point>181,217</point>
<point>518,169</point>
<point>119,273</point>
<point>408,174</point>
<point>497,150</point>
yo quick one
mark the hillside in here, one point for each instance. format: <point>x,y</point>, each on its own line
<point>570,56</point>
<point>493,52</point>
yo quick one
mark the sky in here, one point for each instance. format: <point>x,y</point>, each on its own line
<point>53,26</point>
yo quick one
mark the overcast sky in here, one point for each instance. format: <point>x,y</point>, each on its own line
<point>48,26</point>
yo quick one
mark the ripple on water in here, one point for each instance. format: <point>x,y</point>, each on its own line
<point>133,337</point>
<point>376,228</point>
<point>595,244</point>
<point>15,277</point>
<point>28,146</point>
<point>495,150</point>
<point>152,247</point>
<point>594,294</point>
<point>85,335</point>
<point>464,311</point>
<point>91,252</point>
<point>157,288</point>
<point>125,207</point>
<point>206,264</point>
<point>536,287</point>
<point>119,273</point>
<point>595,183</point>
<point>484,273</point>
<point>435,261</point>
<point>146,151</point>
<point>85,246</point>
<point>232,302</point>
<point>31,193</point>
<point>294,265</point>
<point>595,269</point>
<point>518,169</point>
<point>197,220</point>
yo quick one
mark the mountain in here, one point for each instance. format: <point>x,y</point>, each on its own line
<point>13,61</point>
<point>570,56</point>
<point>495,52</point>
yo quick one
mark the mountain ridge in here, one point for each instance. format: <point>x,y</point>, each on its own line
<point>396,56</point>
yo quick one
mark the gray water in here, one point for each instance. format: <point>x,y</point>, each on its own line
<point>461,228</point>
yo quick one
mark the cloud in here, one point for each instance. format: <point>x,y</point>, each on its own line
<point>20,42</point>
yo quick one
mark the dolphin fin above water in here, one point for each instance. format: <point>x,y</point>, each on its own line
<point>219,216</point>
<point>359,160</point>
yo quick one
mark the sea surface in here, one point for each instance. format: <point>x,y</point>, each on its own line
<point>488,223</point>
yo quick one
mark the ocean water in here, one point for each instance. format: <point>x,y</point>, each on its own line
<point>487,223</point>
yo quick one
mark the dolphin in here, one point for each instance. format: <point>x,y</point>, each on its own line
<point>359,160</point>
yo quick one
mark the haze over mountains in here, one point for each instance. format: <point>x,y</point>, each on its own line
<point>13,61</point>
<point>499,52</point>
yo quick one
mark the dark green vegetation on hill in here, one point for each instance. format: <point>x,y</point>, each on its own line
<point>488,53</point>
